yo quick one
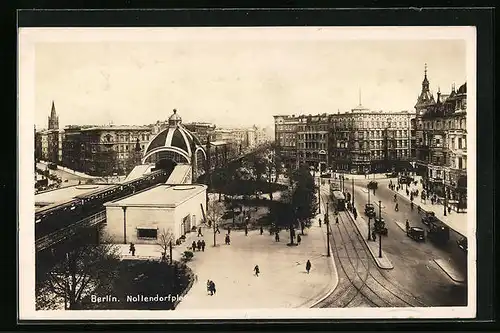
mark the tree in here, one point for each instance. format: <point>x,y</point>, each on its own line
<point>215,211</point>
<point>219,180</point>
<point>304,196</point>
<point>81,272</point>
<point>165,239</point>
<point>278,166</point>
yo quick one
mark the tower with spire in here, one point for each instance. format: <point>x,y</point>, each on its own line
<point>53,118</point>
<point>425,98</point>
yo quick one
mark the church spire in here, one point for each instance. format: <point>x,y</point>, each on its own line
<point>53,119</point>
<point>425,82</point>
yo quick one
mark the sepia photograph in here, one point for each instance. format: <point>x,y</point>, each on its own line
<point>257,172</point>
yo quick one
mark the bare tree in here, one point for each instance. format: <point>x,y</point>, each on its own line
<point>165,239</point>
<point>215,211</point>
<point>81,272</point>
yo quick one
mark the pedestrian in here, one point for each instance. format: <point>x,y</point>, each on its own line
<point>407,192</point>
<point>217,229</point>
<point>320,222</point>
<point>277,237</point>
<point>298,239</point>
<point>199,232</point>
<point>396,208</point>
<point>203,245</point>
<point>228,240</point>
<point>257,270</point>
<point>337,220</point>
<point>193,246</point>
<point>261,230</point>
<point>209,287</point>
<point>411,205</point>
<point>198,245</point>
<point>308,266</point>
<point>246,230</point>
<point>449,209</point>
<point>132,249</point>
<point>228,230</point>
<point>212,288</point>
<point>407,225</point>
<point>374,236</point>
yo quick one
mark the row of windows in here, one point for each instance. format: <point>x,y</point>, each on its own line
<point>312,136</point>
<point>443,124</point>
<point>311,145</point>
<point>460,143</point>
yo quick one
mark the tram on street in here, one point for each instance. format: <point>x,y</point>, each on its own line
<point>338,200</point>
<point>438,232</point>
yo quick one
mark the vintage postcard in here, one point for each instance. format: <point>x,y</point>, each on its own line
<point>244,173</point>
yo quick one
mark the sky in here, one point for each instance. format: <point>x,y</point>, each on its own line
<point>234,79</point>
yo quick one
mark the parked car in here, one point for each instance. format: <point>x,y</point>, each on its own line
<point>372,185</point>
<point>416,233</point>
<point>370,210</point>
<point>52,166</point>
<point>391,175</point>
<point>405,180</point>
<point>428,218</point>
<point>384,230</point>
<point>462,244</point>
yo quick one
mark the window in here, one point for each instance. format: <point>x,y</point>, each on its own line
<point>459,143</point>
<point>147,233</point>
<point>452,143</point>
<point>460,163</point>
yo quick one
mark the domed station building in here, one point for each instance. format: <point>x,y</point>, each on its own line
<point>176,145</point>
<point>175,208</point>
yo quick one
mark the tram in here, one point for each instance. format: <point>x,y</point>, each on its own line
<point>338,199</point>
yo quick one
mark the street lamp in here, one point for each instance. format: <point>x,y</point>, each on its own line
<point>319,196</point>
<point>353,194</point>
<point>369,231</point>
<point>444,193</point>
<point>327,220</point>
<point>380,227</point>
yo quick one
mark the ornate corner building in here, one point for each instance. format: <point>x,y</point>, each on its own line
<point>439,143</point>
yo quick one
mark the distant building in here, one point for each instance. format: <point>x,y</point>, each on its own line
<point>439,142</point>
<point>202,130</point>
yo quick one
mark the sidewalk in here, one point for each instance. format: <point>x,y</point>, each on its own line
<point>282,283</point>
<point>456,221</point>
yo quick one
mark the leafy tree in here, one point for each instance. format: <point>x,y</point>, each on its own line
<point>80,273</point>
<point>220,180</point>
<point>278,166</point>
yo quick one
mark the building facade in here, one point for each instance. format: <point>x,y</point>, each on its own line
<point>103,151</point>
<point>360,141</point>
<point>439,149</point>
<point>203,131</point>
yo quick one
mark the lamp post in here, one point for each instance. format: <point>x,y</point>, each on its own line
<point>124,224</point>
<point>319,196</point>
<point>369,231</point>
<point>327,222</point>
<point>444,192</point>
<point>380,226</point>
<point>353,194</point>
<point>368,193</point>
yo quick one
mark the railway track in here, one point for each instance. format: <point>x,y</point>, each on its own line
<point>361,283</point>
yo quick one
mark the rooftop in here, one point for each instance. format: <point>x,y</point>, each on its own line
<point>116,128</point>
<point>169,196</point>
<point>64,194</point>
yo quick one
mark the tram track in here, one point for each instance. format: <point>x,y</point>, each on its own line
<point>363,284</point>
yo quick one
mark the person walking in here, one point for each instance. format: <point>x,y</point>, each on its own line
<point>277,237</point>
<point>246,230</point>
<point>308,266</point>
<point>320,222</point>
<point>299,239</point>
<point>209,287</point>
<point>228,240</point>
<point>395,198</point>
<point>407,225</point>
<point>193,246</point>
<point>212,288</point>
<point>203,245</point>
<point>199,232</point>
<point>228,230</point>
<point>132,249</point>
<point>198,244</point>
<point>337,220</point>
<point>217,229</point>
<point>261,230</point>
<point>256,270</point>
<point>396,208</point>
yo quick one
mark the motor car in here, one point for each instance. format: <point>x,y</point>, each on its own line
<point>372,185</point>
<point>416,233</point>
<point>369,210</point>
<point>52,166</point>
<point>428,217</point>
<point>384,230</point>
<point>405,180</point>
<point>391,175</point>
<point>462,244</point>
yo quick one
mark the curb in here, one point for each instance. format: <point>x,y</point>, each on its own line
<point>336,276</point>
<point>375,257</point>
<point>334,286</point>
<point>450,275</point>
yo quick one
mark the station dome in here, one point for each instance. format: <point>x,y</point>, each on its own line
<point>174,142</point>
